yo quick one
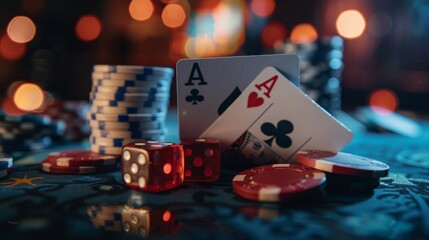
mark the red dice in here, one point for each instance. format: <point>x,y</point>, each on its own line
<point>202,159</point>
<point>152,166</point>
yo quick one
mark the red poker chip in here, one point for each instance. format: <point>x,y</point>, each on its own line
<point>343,163</point>
<point>50,168</point>
<point>77,158</point>
<point>277,182</point>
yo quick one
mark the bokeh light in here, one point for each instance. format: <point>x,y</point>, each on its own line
<point>303,33</point>
<point>21,29</point>
<point>29,97</point>
<point>350,24</point>
<point>383,101</point>
<point>218,33</point>
<point>141,10</point>
<point>88,28</point>
<point>262,8</point>
<point>173,15</point>
<point>273,32</point>
<point>11,50</point>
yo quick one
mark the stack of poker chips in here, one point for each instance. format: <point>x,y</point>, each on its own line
<point>128,104</point>
<point>28,132</point>
<point>79,162</point>
<point>6,163</point>
<point>73,114</point>
<point>321,66</point>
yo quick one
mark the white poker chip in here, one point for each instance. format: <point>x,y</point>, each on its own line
<point>128,97</point>
<point>127,134</point>
<point>105,149</point>
<point>138,117</point>
<point>133,126</point>
<point>144,90</point>
<point>7,159</point>
<point>132,76</point>
<point>119,142</point>
<point>141,104</point>
<point>147,70</point>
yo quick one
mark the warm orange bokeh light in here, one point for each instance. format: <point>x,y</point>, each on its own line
<point>273,33</point>
<point>29,97</point>
<point>350,24</point>
<point>21,29</point>
<point>303,33</point>
<point>173,15</point>
<point>11,50</point>
<point>262,8</point>
<point>383,101</point>
<point>88,28</point>
<point>166,216</point>
<point>141,10</point>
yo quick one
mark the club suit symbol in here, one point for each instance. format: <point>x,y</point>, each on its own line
<point>279,133</point>
<point>195,97</point>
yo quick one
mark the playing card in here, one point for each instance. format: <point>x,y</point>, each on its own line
<point>281,117</point>
<point>206,87</point>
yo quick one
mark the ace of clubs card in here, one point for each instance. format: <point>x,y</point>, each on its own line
<point>207,86</point>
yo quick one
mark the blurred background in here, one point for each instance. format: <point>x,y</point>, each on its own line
<point>379,56</point>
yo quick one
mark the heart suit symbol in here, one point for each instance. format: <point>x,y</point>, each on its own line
<point>254,101</point>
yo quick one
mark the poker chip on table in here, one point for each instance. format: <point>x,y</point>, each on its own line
<point>346,173</point>
<point>343,163</point>
<point>79,162</point>
<point>28,132</point>
<point>278,182</point>
<point>128,103</point>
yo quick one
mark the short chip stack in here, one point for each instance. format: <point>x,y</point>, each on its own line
<point>28,132</point>
<point>79,162</point>
<point>321,66</point>
<point>6,163</point>
<point>128,103</point>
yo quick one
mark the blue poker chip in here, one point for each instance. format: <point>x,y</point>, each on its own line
<point>35,119</point>
<point>138,117</point>
<point>147,90</point>
<point>126,110</point>
<point>126,126</point>
<point>3,165</point>
<point>128,96</point>
<point>127,83</point>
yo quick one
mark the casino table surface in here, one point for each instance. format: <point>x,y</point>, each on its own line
<point>35,204</point>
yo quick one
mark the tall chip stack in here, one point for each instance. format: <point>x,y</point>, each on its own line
<point>320,68</point>
<point>128,104</point>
